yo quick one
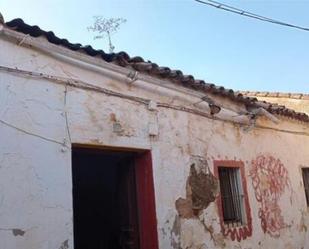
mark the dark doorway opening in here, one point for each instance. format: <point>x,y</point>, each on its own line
<point>105,200</point>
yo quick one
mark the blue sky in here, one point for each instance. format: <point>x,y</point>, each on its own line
<point>210,44</point>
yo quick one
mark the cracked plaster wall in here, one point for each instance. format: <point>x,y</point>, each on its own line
<point>35,168</point>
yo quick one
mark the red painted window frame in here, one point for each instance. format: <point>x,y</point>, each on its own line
<point>237,232</point>
<point>146,201</point>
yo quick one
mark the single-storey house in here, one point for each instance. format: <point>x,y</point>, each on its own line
<point>108,151</point>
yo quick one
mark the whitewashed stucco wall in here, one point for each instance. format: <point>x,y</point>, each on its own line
<point>35,159</point>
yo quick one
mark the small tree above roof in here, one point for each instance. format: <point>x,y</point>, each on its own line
<point>106,27</point>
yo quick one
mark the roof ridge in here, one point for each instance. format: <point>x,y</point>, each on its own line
<point>147,67</point>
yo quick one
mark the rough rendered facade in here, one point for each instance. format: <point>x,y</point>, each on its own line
<point>52,97</point>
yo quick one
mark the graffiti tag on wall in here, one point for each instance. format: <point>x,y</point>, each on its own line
<point>270,180</point>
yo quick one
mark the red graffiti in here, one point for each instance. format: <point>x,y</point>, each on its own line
<point>235,232</point>
<point>269,180</point>
<point>238,233</point>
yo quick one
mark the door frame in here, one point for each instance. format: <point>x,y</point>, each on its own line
<point>146,201</point>
<point>145,193</point>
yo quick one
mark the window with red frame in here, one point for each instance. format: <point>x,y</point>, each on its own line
<point>232,196</point>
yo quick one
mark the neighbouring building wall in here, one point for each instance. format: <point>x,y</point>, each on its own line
<point>300,105</point>
<point>297,102</point>
<point>39,119</point>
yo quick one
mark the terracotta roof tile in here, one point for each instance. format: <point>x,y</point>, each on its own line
<point>147,67</point>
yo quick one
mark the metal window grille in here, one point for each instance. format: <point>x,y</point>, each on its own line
<point>232,196</point>
<point>306,183</point>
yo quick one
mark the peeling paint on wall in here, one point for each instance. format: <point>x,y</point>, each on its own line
<point>121,128</point>
<point>175,233</point>
<point>270,180</point>
<point>64,245</point>
<point>201,189</point>
<point>217,238</point>
<point>18,232</point>
<point>303,224</point>
<point>15,231</point>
